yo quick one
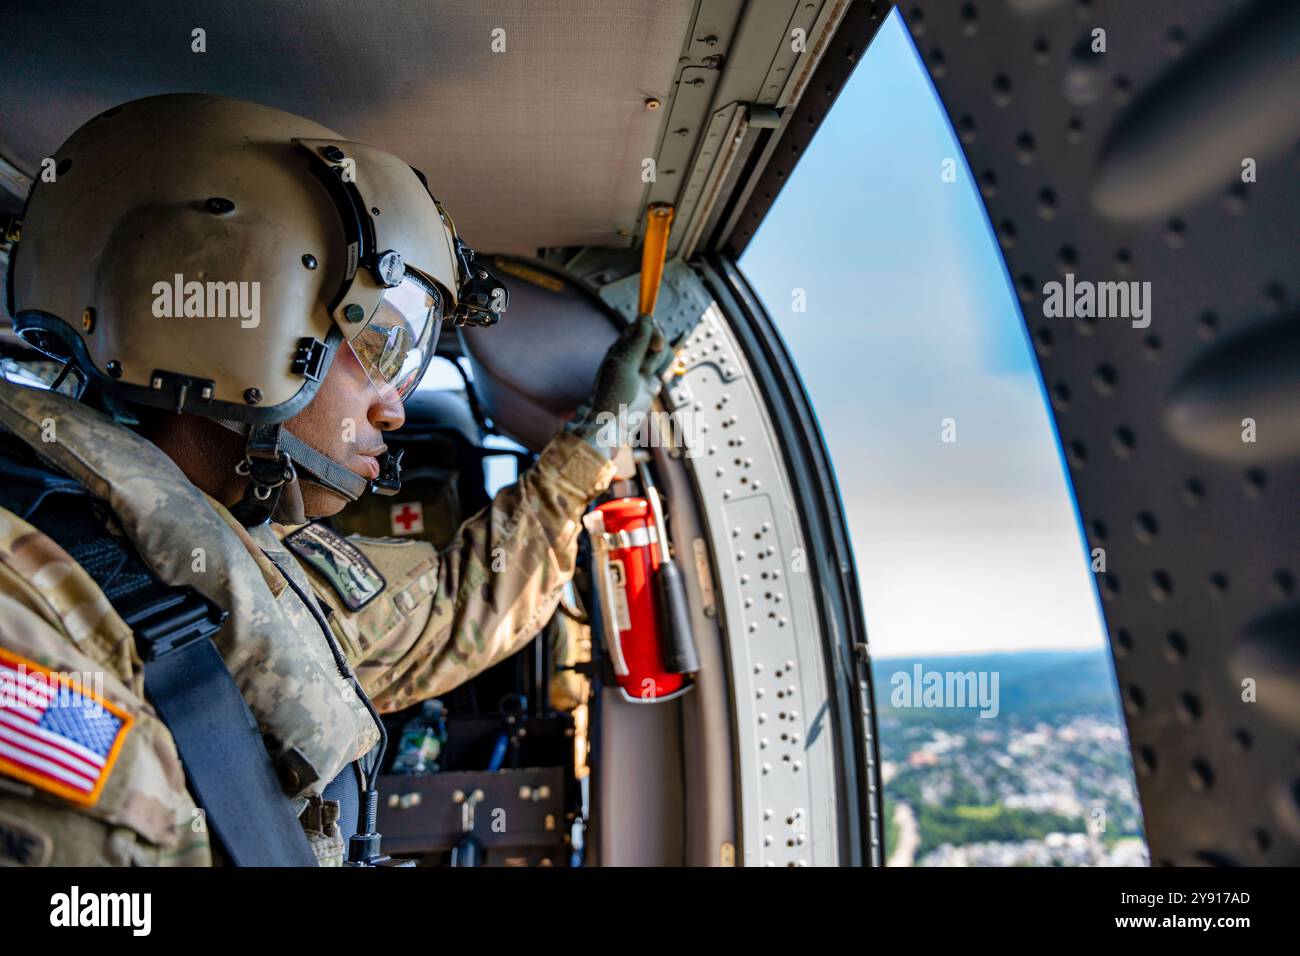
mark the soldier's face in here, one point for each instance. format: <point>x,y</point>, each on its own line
<point>346,421</point>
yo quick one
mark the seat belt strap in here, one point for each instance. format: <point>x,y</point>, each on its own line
<point>185,677</point>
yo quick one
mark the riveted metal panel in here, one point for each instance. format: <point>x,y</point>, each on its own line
<point>681,299</point>
<point>785,751</point>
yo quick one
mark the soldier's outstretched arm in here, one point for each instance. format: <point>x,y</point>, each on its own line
<point>442,618</point>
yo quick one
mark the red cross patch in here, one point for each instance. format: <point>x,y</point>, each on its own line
<point>406,517</point>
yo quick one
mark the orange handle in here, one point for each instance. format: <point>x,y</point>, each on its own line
<point>659,220</point>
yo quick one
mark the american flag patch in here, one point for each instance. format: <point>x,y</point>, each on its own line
<point>56,733</point>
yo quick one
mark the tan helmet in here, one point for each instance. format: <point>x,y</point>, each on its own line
<point>209,255</point>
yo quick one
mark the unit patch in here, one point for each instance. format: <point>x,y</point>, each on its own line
<point>56,733</point>
<point>22,844</point>
<point>349,572</point>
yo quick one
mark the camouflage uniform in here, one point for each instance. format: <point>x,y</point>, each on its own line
<point>441,619</point>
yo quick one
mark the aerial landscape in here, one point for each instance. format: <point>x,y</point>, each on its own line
<point>1043,779</point>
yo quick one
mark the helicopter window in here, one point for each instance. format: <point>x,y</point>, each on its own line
<point>1001,735</point>
<point>501,470</point>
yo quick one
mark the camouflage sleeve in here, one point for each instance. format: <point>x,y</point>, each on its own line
<point>443,618</point>
<point>97,781</point>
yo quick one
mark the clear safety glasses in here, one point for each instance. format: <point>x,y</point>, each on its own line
<point>398,342</point>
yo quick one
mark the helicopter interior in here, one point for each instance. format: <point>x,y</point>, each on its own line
<point>548,129</point>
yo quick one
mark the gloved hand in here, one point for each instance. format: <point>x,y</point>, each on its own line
<point>630,376</point>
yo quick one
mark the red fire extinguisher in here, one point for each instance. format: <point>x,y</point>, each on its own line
<point>626,561</point>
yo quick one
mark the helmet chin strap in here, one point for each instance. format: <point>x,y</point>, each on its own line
<point>275,460</point>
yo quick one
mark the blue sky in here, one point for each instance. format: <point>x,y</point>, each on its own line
<point>970,546</point>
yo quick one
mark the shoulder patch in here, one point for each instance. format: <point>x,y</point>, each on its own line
<point>56,733</point>
<point>340,562</point>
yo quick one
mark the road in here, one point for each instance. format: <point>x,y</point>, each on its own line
<point>909,837</point>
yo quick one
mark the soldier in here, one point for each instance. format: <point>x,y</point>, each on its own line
<point>190,670</point>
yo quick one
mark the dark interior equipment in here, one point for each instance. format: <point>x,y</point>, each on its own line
<point>533,381</point>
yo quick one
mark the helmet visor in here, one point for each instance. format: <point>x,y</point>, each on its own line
<point>398,342</point>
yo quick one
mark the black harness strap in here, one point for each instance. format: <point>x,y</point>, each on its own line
<point>185,677</point>
<point>273,442</point>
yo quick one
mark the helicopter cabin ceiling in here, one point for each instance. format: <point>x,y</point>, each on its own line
<point>535,120</point>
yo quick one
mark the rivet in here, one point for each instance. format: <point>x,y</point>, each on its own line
<point>219,206</point>
<point>253,396</point>
<point>114,368</point>
<point>353,312</point>
<point>653,103</point>
<point>309,260</point>
<point>88,320</point>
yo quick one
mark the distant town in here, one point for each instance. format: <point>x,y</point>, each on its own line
<point>1043,779</point>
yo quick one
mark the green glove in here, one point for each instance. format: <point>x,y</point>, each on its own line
<point>630,376</point>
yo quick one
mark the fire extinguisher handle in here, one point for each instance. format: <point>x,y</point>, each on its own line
<point>680,656</point>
